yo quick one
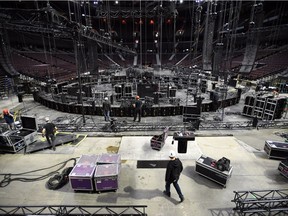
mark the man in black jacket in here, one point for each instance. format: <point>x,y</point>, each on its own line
<point>49,131</point>
<point>173,171</point>
<point>106,109</point>
<point>137,109</point>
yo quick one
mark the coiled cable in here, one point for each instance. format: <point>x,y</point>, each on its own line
<point>59,180</point>
<point>8,177</point>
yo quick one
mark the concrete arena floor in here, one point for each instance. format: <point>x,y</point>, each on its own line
<point>252,170</point>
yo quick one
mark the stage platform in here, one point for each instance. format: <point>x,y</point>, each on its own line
<point>142,149</point>
<point>252,170</point>
<point>61,139</point>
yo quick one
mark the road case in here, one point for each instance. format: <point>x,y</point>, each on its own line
<point>109,159</point>
<point>106,177</point>
<point>158,141</point>
<point>81,177</point>
<point>9,142</point>
<point>15,140</point>
<point>88,160</point>
<point>29,129</point>
<point>275,149</point>
<point>207,167</point>
<point>283,168</point>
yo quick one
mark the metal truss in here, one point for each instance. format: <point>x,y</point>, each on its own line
<point>241,125</point>
<point>261,202</point>
<point>74,210</point>
<point>122,126</point>
<point>117,127</point>
<point>30,28</point>
<point>164,12</point>
<point>97,37</point>
<point>48,20</point>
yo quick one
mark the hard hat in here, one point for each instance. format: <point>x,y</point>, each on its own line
<point>5,111</point>
<point>172,154</point>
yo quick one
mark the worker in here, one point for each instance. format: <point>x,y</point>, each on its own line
<point>9,119</point>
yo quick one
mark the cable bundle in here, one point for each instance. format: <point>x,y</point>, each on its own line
<point>8,177</point>
<point>59,180</point>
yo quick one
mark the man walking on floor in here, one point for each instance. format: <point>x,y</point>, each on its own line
<point>49,131</point>
<point>173,171</point>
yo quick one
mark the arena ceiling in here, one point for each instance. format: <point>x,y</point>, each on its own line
<point>125,22</point>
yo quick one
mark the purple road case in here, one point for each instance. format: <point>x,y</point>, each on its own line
<point>81,177</point>
<point>106,177</point>
<point>109,159</point>
<point>88,160</point>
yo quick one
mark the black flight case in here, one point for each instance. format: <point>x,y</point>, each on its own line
<point>283,168</point>
<point>276,149</point>
<point>206,167</point>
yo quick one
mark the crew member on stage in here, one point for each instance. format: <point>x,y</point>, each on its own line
<point>106,109</point>
<point>255,122</point>
<point>49,131</point>
<point>9,119</point>
<point>137,108</point>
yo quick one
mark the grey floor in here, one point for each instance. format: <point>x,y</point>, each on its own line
<point>252,170</point>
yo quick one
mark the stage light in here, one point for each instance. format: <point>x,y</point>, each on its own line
<point>151,22</point>
<point>116,2</point>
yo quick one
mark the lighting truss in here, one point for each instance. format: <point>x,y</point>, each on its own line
<point>204,125</point>
<point>59,210</point>
<point>133,13</point>
<point>261,202</point>
<point>48,20</point>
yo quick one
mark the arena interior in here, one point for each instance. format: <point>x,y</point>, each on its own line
<point>212,77</point>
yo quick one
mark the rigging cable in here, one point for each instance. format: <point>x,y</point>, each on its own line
<point>191,33</point>
<point>281,11</point>
<point>233,32</point>
<point>161,35</point>
<point>141,38</point>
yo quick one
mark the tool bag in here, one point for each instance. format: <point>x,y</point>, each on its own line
<point>223,164</point>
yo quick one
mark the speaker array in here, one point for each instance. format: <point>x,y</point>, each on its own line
<point>91,109</point>
<point>267,108</point>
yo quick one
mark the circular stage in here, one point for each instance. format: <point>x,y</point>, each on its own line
<point>163,93</point>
